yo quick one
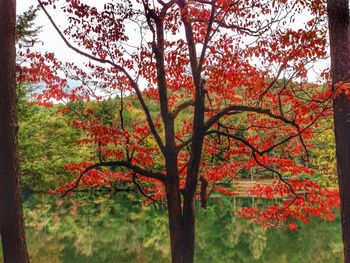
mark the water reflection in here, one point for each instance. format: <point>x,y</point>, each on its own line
<point>121,229</point>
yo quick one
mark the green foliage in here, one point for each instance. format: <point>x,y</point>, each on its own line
<point>323,154</point>
<point>25,27</point>
<point>46,144</point>
<point>106,111</point>
<point>46,141</point>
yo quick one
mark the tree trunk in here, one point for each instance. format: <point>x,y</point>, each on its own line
<point>181,216</point>
<point>189,230</point>
<point>182,229</point>
<point>192,175</point>
<point>339,31</point>
<point>174,206</point>
<point>11,219</point>
<point>175,225</point>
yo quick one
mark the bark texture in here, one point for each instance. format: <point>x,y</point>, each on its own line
<point>11,218</point>
<point>339,31</point>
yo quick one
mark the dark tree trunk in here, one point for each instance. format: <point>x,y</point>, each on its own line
<point>174,206</point>
<point>189,230</point>
<point>182,228</point>
<point>175,224</point>
<point>181,217</point>
<point>192,175</point>
<point>11,219</point>
<point>339,31</point>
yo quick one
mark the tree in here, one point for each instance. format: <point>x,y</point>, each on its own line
<point>228,80</point>
<point>26,30</point>
<point>11,221</point>
<point>339,34</point>
<point>42,159</point>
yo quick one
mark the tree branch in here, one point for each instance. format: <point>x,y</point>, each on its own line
<point>137,169</point>
<point>181,107</point>
<point>215,118</point>
<point>234,137</point>
<point>207,36</point>
<point>288,185</point>
<point>134,85</point>
<point>142,192</point>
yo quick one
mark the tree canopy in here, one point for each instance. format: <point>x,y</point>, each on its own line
<point>222,89</point>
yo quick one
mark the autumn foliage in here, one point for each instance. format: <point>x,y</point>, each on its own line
<point>229,81</point>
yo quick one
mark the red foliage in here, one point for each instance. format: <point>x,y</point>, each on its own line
<point>259,108</point>
<point>307,199</point>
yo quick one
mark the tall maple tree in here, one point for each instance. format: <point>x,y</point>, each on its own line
<point>227,83</point>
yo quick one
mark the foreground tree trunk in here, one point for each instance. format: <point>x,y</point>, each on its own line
<point>175,225</point>
<point>189,231</point>
<point>339,31</point>
<point>182,230</point>
<point>11,219</point>
<point>181,217</point>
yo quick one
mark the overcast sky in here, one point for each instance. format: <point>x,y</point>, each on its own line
<point>52,41</point>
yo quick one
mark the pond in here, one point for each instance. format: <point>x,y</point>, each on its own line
<point>119,228</point>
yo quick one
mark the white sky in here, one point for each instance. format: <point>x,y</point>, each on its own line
<point>52,41</point>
